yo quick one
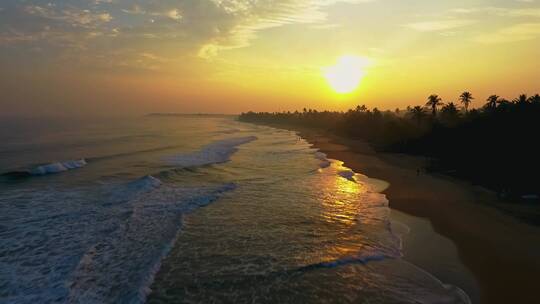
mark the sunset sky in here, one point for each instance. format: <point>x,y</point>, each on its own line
<point>107,57</point>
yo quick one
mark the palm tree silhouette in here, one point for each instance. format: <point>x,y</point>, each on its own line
<point>361,108</point>
<point>522,99</point>
<point>417,113</point>
<point>492,102</point>
<point>434,101</point>
<point>466,98</point>
<point>534,99</point>
<point>449,114</point>
<point>450,108</point>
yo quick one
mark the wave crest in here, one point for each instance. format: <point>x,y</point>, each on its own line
<point>57,167</point>
<point>214,153</point>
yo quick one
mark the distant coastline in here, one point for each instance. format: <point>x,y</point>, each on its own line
<point>187,114</point>
<point>493,146</point>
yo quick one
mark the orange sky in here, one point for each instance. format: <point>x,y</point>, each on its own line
<point>122,57</point>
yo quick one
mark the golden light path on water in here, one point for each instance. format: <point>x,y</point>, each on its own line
<point>348,197</point>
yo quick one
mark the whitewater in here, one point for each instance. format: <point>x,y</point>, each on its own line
<point>194,209</point>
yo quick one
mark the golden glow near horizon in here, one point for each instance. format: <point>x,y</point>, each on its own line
<point>345,76</point>
<point>225,56</point>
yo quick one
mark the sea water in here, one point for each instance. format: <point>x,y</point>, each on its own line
<point>193,209</point>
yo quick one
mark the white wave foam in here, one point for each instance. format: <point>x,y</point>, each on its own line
<point>214,153</point>
<point>74,245</point>
<point>132,189</point>
<point>132,253</point>
<point>364,259</point>
<point>347,175</point>
<point>57,167</point>
<point>325,162</point>
<point>146,183</point>
<point>321,156</point>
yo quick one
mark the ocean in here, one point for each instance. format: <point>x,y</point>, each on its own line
<point>193,209</point>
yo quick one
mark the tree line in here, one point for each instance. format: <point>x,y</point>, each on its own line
<point>495,144</point>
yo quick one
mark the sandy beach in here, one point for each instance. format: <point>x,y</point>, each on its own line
<point>500,251</point>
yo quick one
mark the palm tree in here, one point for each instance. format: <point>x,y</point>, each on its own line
<point>504,104</point>
<point>492,102</point>
<point>534,99</point>
<point>466,98</point>
<point>450,108</point>
<point>434,101</point>
<point>522,99</point>
<point>417,113</point>
<point>449,114</point>
<point>361,108</point>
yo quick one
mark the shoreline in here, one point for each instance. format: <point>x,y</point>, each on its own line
<point>433,253</point>
<point>500,251</point>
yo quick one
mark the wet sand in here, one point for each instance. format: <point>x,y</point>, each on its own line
<point>433,253</point>
<point>502,253</point>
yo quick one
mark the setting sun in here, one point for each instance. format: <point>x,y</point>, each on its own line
<point>346,75</point>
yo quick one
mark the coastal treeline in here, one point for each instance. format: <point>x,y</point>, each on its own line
<point>495,144</point>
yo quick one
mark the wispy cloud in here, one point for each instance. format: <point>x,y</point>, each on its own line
<point>73,16</point>
<point>439,25</point>
<point>500,11</point>
<point>507,24</point>
<point>204,27</point>
<point>514,33</point>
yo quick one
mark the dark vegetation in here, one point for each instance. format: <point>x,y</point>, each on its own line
<point>496,145</point>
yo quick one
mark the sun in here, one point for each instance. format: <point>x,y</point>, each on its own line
<point>346,75</point>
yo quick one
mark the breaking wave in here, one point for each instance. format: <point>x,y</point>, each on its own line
<point>214,153</point>
<point>325,163</point>
<point>70,249</point>
<point>47,169</point>
<point>348,174</point>
<point>57,167</point>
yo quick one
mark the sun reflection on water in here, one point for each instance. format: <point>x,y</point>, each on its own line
<point>340,205</point>
<point>348,212</point>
